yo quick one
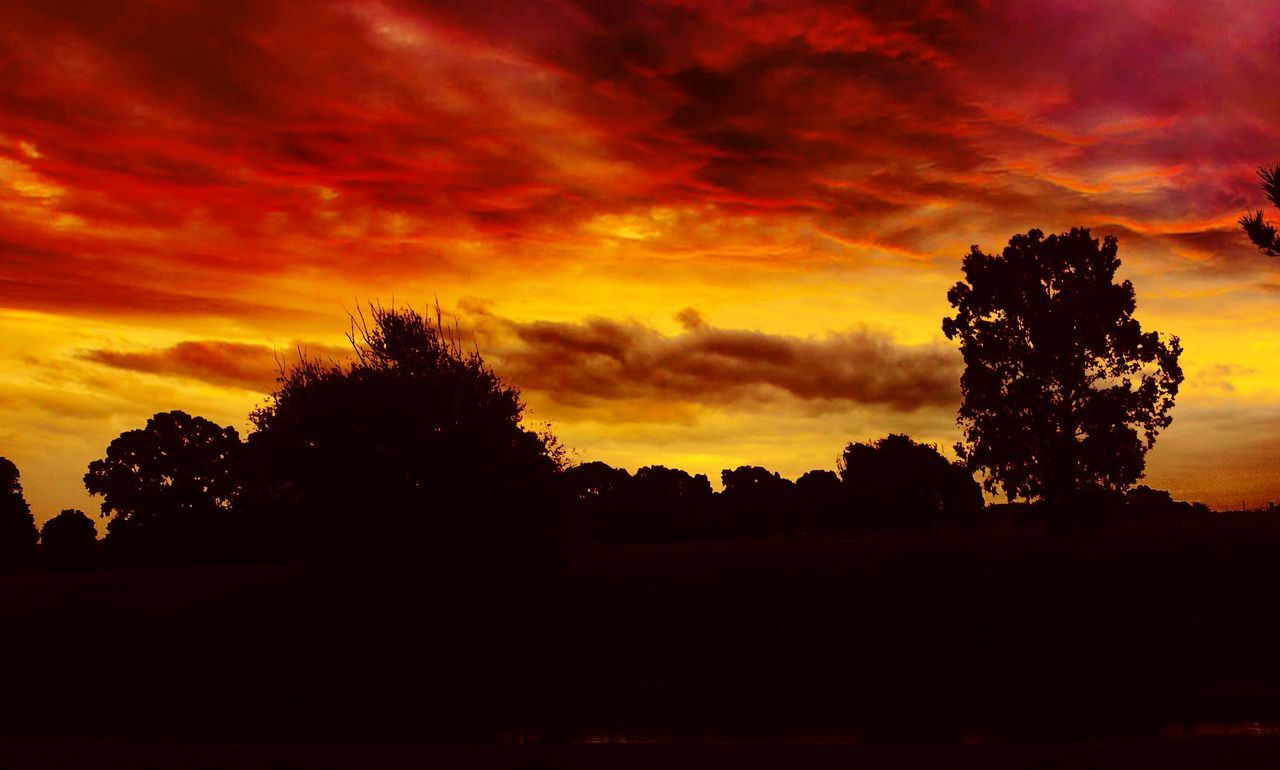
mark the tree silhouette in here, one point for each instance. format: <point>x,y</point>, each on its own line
<point>1261,232</point>
<point>758,501</point>
<point>69,541</point>
<point>599,491</point>
<point>1062,390</point>
<point>413,453</point>
<point>169,489</point>
<point>17,525</point>
<point>895,482</point>
<point>662,504</point>
<point>820,501</point>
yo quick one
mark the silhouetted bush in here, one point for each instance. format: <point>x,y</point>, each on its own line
<point>412,454</point>
<point>758,501</point>
<point>895,482</point>
<point>598,490</point>
<point>17,526</point>
<point>820,503</point>
<point>69,541</point>
<point>662,504</point>
<point>1143,501</point>
<point>170,490</point>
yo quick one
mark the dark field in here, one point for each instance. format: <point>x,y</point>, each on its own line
<point>985,649</point>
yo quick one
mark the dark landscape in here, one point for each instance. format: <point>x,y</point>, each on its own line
<point>530,384</point>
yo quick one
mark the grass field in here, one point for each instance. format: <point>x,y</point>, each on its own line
<point>1130,640</point>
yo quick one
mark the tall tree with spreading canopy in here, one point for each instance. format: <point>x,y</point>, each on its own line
<point>412,453</point>
<point>17,526</point>
<point>168,488</point>
<point>1063,391</point>
<point>1261,232</point>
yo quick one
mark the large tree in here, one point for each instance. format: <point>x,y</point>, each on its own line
<point>168,489</point>
<point>1062,389</point>
<point>17,526</point>
<point>412,453</point>
<point>1261,232</point>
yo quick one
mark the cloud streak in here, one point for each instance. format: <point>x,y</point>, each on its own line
<point>603,360</point>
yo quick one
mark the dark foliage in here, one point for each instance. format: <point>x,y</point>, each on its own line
<point>598,489</point>
<point>1261,232</point>
<point>17,525</point>
<point>414,454</point>
<point>69,541</point>
<point>895,483</point>
<point>169,489</point>
<point>1063,391</point>
<point>663,504</point>
<point>759,501</point>
<point>822,503</point>
<point>1143,501</point>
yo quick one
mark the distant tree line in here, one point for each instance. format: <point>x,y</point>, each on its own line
<point>892,483</point>
<point>416,453</point>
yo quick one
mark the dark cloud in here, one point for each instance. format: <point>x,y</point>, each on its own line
<point>233,364</point>
<point>608,360</point>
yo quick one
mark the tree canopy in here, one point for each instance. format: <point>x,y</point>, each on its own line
<point>414,451</point>
<point>17,526</point>
<point>1062,389</point>
<point>896,482</point>
<point>1261,232</point>
<point>168,488</point>
<point>69,541</point>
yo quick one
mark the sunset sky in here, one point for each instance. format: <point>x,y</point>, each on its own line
<point>700,234</point>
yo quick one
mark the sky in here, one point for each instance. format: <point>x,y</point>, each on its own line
<point>699,234</point>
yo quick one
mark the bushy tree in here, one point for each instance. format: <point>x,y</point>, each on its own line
<point>598,490</point>
<point>17,526</point>
<point>1261,232</point>
<point>895,482</point>
<point>69,541</point>
<point>757,501</point>
<point>1062,389</point>
<point>820,502</point>
<point>414,452</point>
<point>169,489</point>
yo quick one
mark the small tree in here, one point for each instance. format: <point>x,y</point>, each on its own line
<point>168,489</point>
<point>69,541</point>
<point>1062,390</point>
<point>895,482</point>
<point>1261,232</point>
<point>758,501</point>
<point>17,526</point>
<point>820,500</point>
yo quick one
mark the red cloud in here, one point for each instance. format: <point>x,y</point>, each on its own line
<point>264,137</point>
